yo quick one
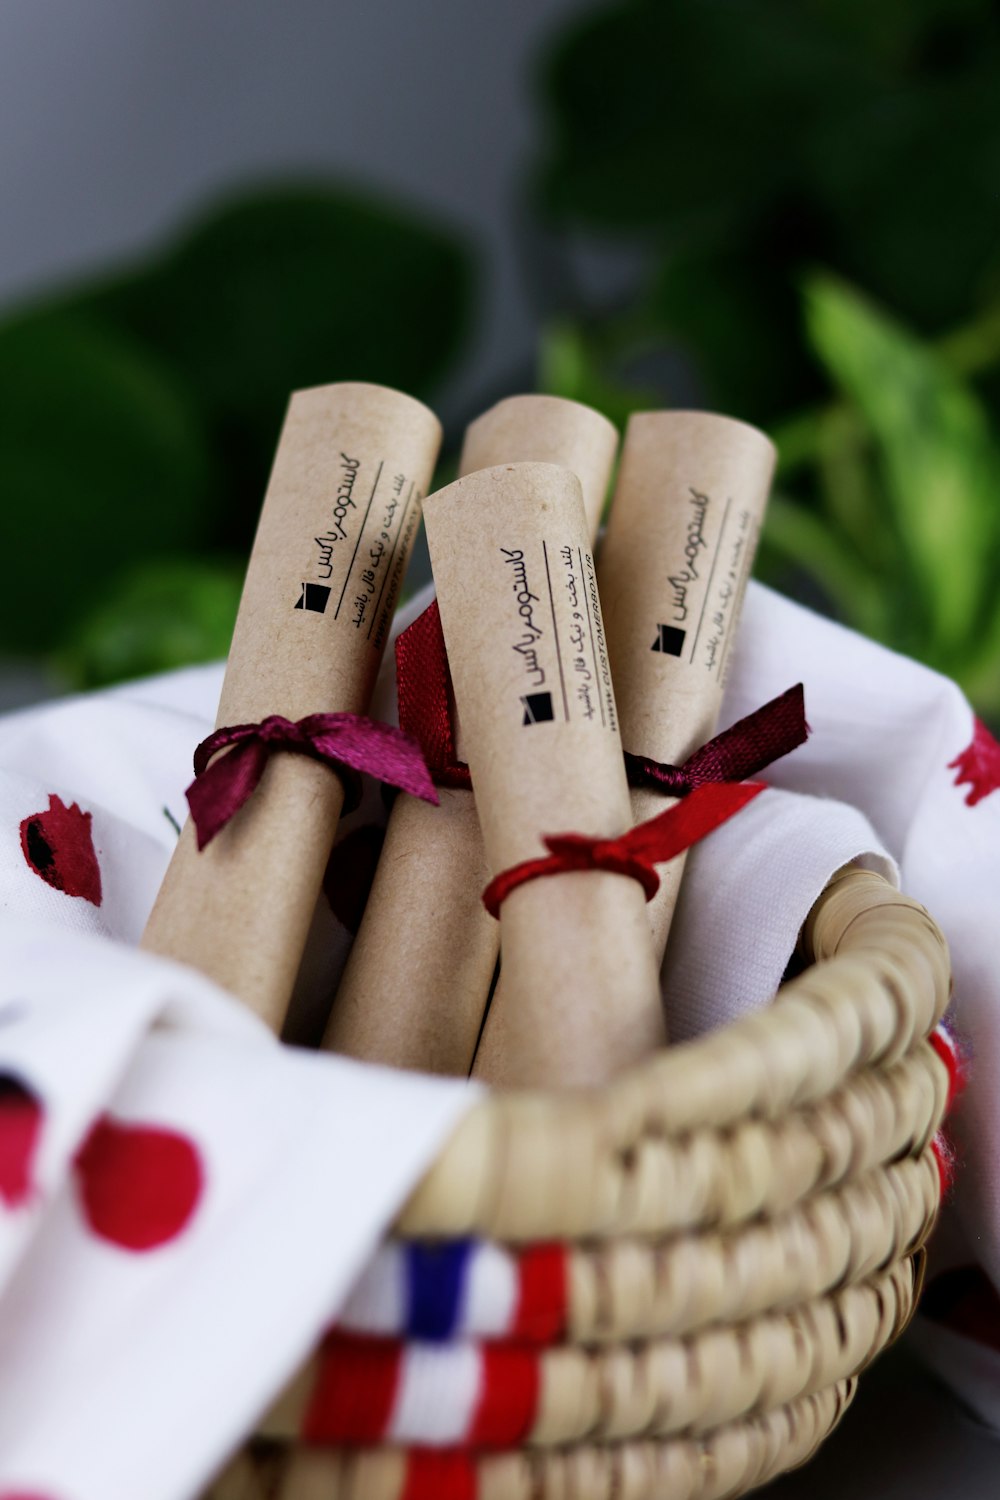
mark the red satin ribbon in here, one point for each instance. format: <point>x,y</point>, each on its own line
<point>737,753</point>
<point>635,853</point>
<point>423,687</point>
<point>709,781</point>
<point>425,711</point>
<point>347,743</point>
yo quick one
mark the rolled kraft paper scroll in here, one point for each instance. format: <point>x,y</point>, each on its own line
<point>413,991</point>
<point>678,550</point>
<point>517,593</point>
<point>676,558</point>
<point>334,538</point>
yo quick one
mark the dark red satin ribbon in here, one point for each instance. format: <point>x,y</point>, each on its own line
<point>709,781</point>
<point>347,743</point>
<point>635,853</point>
<point>425,711</point>
<point>737,753</point>
<point>423,687</point>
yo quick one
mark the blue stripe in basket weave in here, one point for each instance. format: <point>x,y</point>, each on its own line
<point>435,1278</point>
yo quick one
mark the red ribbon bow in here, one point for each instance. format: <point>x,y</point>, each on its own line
<point>734,755</point>
<point>347,743</point>
<point>423,689</point>
<point>425,698</point>
<point>711,781</point>
<point>635,853</point>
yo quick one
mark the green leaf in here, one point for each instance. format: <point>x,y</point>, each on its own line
<point>289,287</point>
<point>570,365</point>
<point>979,675</point>
<point>157,616</point>
<point>140,414</point>
<point>849,485</point>
<point>813,545</point>
<point>678,112</point>
<point>864,135</point>
<point>904,188</point>
<point>102,461</point>
<point>737,318</point>
<point>940,464</point>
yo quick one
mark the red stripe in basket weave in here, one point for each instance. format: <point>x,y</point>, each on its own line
<point>951,1055</point>
<point>540,1316</point>
<point>944,1156</point>
<point>508,1397</point>
<point>956,1064</point>
<point>439,1476</point>
<point>353,1397</point>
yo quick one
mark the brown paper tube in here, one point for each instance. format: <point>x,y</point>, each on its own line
<point>677,555</point>
<point>413,990</point>
<point>691,492</point>
<point>334,538</point>
<point>517,593</point>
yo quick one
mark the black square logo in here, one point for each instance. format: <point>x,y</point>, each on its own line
<point>669,640</point>
<point>537,708</point>
<point>314,597</point>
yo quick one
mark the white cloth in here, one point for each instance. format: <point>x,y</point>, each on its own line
<point>131,1371</point>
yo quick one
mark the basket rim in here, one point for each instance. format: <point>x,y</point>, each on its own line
<point>850,1027</point>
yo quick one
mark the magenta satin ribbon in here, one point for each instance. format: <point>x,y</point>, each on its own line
<point>347,743</point>
<point>734,755</point>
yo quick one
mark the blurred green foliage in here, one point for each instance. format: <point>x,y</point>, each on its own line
<point>141,412</point>
<point>905,537</point>
<point>729,148</point>
<point>154,617</point>
<point>735,145</point>
<point>740,140</point>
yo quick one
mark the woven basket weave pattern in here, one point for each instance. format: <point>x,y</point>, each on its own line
<point>743,1218</point>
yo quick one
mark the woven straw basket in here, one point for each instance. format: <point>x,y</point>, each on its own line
<point>740,1221</point>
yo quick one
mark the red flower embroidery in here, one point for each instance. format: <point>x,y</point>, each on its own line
<point>139,1184</point>
<point>978,766</point>
<point>20,1126</point>
<point>59,847</point>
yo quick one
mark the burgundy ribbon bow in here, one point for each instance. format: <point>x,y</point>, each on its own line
<point>347,743</point>
<point>635,853</point>
<point>423,688</point>
<point>711,782</point>
<point>425,700</point>
<point>737,753</point>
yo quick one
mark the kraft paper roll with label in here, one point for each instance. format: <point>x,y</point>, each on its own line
<point>679,547</point>
<point>413,991</point>
<point>334,538</point>
<point>676,558</point>
<point>517,592</point>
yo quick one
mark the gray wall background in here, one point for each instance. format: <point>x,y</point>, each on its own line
<point>117,117</point>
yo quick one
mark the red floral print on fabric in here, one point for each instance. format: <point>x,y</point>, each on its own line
<point>139,1185</point>
<point>350,872</point>
<point>59,847</point>
<point>21,1116</point>
<point>23,1495</point>
<point>978,766</point>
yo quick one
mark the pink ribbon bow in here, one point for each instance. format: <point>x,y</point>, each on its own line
<point>347,743</point>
